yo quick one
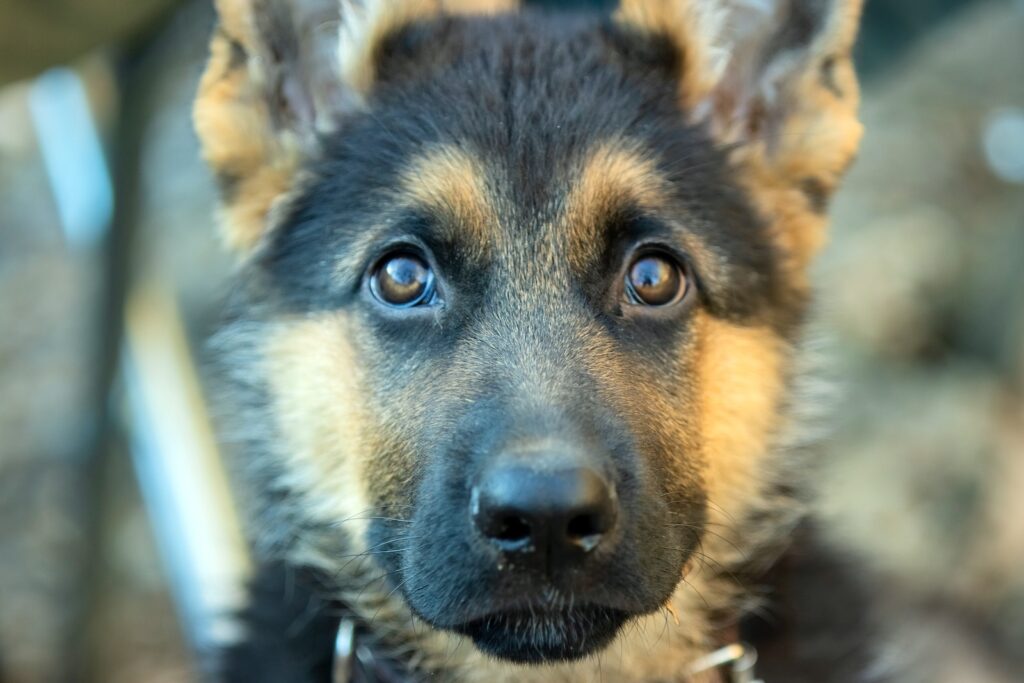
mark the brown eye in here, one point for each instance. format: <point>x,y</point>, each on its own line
<point>655,280</point>
<point>403,280</point>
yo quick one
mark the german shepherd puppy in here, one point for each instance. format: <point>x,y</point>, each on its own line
<point>513,360</point>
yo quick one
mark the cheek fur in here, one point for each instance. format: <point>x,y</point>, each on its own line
<point>739,371</point>
<point>318,395</point>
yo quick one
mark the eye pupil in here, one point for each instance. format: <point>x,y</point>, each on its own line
<point>655,280</point>
<point>402,280</point>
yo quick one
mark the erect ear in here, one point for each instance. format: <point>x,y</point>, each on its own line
<point>774,80</point>
<point>281,74</point>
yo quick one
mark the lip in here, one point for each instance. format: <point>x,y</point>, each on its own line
<point>544,635</point>
<point>548,602</point>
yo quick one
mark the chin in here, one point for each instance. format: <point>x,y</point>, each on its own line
<point>537,636</point>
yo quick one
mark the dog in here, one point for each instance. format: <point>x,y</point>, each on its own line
<point>514,367</point>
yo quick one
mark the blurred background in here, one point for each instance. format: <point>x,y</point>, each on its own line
<point>111,277</point>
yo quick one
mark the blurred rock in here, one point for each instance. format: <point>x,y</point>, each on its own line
<point>924,296</point>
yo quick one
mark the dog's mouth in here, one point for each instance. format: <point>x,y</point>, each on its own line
<point>536,636</point>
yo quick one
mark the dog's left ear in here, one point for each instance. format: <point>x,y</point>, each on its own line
<point>775,81</point>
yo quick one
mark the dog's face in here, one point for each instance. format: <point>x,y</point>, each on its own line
<point>519,291</point>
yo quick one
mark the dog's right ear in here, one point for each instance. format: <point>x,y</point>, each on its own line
<point>271,83</point>
<point>281,74</point>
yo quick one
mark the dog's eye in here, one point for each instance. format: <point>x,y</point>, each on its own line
<point>655,280</point>
<point>402,280</point>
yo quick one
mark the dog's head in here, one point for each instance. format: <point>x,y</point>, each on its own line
<point>518,292</point>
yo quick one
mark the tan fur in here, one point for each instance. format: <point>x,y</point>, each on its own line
<point>817,142</point>
<point>236,18</point>
<point>612,176</point>
<point>313,373</point>
<point>739,379</point>
<point>239,143</point>
<point>618,175</point>
<point>453,184</point>
<point>797,228</point>
<point>740,375</point>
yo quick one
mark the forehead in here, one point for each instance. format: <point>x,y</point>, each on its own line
<point>525,133</point>
<point>536,112</point>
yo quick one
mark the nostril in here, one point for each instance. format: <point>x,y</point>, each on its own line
<point>585,530</point>
<point>512,529</point>
<point>583,525</point>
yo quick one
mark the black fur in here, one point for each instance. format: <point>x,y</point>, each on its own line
<point>818,624</point>
<point>288,631</point>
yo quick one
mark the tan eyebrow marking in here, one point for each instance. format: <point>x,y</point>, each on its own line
<point>615,173</point>
<point>453,184</point>
<point>616,176</point>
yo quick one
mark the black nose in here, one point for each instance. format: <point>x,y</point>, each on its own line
<point>558,515</point>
